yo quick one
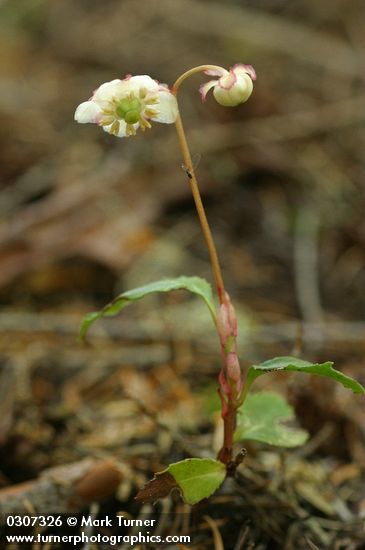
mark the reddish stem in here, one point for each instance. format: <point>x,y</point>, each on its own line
<point>229,422</point>
<point>229,408</point>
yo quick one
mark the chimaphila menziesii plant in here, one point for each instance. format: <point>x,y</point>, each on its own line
<point>121,107</point>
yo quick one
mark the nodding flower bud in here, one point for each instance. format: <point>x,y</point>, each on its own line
<point>233,87</point>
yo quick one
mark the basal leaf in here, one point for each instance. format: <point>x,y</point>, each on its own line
<point>262,417</point>
<point>197,478</point>
<point>196,285</point>
<point>299,365</point>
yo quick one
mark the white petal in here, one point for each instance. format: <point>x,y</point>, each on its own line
<point>166,107</point>
<point>204,88</point>
<point>142,81</point>
<point>107,91</point>
<point>122,128</point>
<point>88,111</point>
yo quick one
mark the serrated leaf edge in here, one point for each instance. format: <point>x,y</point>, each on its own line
<point>181,284</point>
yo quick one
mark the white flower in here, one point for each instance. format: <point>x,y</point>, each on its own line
<point>123,106</point>
<point>232,87</point>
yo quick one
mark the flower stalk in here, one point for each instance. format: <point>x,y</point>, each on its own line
<point>200,208</point>
<point>231,379</point>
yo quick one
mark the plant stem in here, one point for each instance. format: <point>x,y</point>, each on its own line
<point>229,419</point>
<point>194,184</point>
<point>199,69</point>
<point>229,409</point>
<point>229,426</point>
<point>200,209</point>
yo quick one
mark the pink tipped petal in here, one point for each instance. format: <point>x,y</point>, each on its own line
<point>219,71</point>
<point>228,80</point>
<point>236,94</point>
<point>240,68</point>
<point>86,112</point>
<point>166,107</point>
<point>204,88</point>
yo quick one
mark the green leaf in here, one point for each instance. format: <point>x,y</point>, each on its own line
<point>196,285</point>
<point>299,365</point>
<point>261,418</point>
<point>196,478</point>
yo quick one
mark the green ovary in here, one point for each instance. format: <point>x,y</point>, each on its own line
<point>132,117</point>
<point>129,109</point>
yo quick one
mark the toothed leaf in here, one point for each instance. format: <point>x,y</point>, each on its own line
<point>196,478</point>
<point>196,285</point>
<point>299,365</point>
<point>262,417</point>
